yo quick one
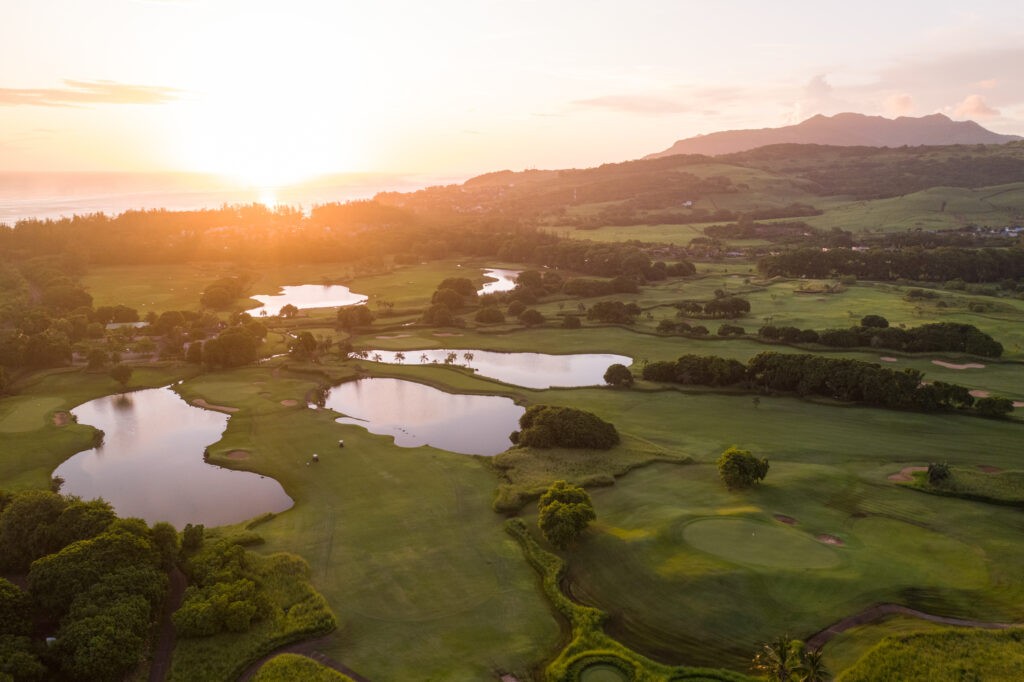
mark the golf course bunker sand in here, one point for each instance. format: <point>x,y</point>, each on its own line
<point>978,393</point>
<point>289,402</point>
<point>199,402</point>
<point>782,518</point>
<point>445,334</point>
<point>238,454</point>
<point>60,418</point>
<point>886,358</point>
<point>906,474</point>
<point>753,542</point>
<point>952,365</point>
<point>830,539</point>
<point>988,469</point>
<point>395,336</point>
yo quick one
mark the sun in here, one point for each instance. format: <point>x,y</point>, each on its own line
<point>261,142</point>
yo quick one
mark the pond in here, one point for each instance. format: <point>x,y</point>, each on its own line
<point>307,296</point>
<point>506,280</point>
<point>532,370</point>
<point>151,464</point>
<point>416,414</point>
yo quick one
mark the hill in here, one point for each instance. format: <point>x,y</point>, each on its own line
<point>844,130</point>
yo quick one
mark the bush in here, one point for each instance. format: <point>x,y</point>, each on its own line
<point>531,317</point>
<point>937,472</point>
<point>618,375</point>
<point>571,322</point>
<point>490,315</point>
<point>545,426</point>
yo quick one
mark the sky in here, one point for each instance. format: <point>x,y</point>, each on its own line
<point>275,92</point>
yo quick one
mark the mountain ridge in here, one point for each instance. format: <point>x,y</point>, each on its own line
<point>844,130</point>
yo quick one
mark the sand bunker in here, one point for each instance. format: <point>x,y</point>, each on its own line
<point>238,454</point>
<point>782,518</point>
<point>977,393</point>
<point>988,469</point>
<point>1018,403</point>
<point>445,334</point>
<point>886,358</point>
<point>399,336</point>
<point>953,365</point>
<point>60,419</point>
<point>904,475</point>
<point>830,540</point>
<point>199,402</point>
<point>289,402</point>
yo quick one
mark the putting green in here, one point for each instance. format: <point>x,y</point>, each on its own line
<point>29,415</point>
<point>752,542</point>
<point>602,672</point>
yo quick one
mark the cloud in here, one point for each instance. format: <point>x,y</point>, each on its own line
<point>635,104</point>
<point>987,84</point>
<point>974,106</point>
<point>79,93</point>
<point>900,104</point>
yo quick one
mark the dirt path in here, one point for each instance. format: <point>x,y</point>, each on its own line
<point>905,474</point>
<point>873,613</point>
<point>307,649</point>
<point>161,665</point>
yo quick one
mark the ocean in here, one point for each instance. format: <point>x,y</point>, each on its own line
<point>54,195</point>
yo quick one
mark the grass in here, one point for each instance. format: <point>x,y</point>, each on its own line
<point>941,656</point>
<point>848,647</point>
<point>401,542</point>
<point>291,667</point>
<point>1006,487</point>
<point>299,612</point>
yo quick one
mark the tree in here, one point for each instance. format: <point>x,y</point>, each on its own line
<point>547,426</point>
<point>618,375</point>
<point>741,469</point>
<point>194,354</point>
<point>811,667</point>
<point>876,321</point>
<point>565,512</point>
<point>97,359</point>
<point>571,322</point>
<point>489,315</point>
<point>778,659</point>
<point>353,316</point>
<point>531,317</point>
<point>303,346</point>
<point>399,357</point>
<point>122,374</point>
<point>288,310</point>
<point>938,472</point>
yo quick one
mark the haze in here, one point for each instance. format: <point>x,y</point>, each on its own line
<point>274,93</point>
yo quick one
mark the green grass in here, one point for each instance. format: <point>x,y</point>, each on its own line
<point>293,667</point>
<point>1006,487</point>
<point>299,612</point>
<point>759,543</point>
<point>941,656</point>
<point>846,648</point>
<point>401,542</point>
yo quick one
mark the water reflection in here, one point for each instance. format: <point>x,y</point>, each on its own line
<point>506,280</point>
<point>151,464</point>
<point>415,414</point>
<point>532,370</point>
<point>308,296</point>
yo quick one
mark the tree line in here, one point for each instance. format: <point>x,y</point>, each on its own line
<point>836,378</point>
<point>927,265</point>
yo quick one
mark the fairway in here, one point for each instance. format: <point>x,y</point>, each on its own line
<point>750,542</point>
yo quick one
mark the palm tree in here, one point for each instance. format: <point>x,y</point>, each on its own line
<point>468,355</point>
<point>399,357</point>
<point>377,357</point>
<point>451,358</point>
<point>811,667</point>
<point>776,659</point>
<point>424,358</point>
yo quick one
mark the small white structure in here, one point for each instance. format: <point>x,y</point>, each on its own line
<point>316,457</point>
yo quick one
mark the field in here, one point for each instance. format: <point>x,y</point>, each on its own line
<point>408,551</point>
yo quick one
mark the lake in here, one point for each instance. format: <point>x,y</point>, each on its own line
<point>416,414</point>
<point>532,370</point>
<point>151,463</point>
<point>505,280</point>
<point>306,296</point>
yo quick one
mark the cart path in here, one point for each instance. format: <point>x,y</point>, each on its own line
<point>307,648</point>
<point>161,664</point>
<point>879,611</point>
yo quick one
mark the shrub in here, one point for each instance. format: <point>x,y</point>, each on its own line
<point>490,315</point>
<point>546,426</point>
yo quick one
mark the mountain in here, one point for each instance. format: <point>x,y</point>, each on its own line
<point>845,130</point>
